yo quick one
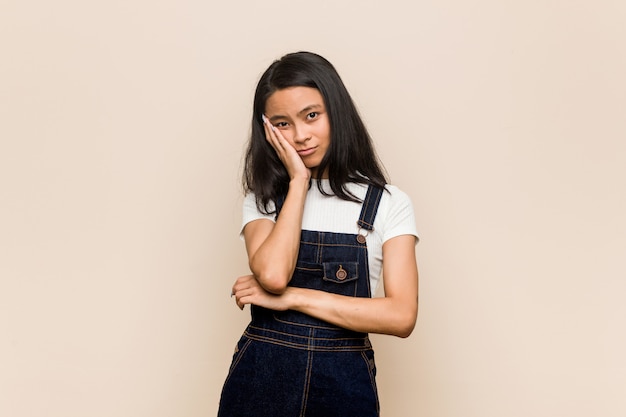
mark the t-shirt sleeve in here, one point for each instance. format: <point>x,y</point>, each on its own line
<point>251,212</point>
<point>400,217</point>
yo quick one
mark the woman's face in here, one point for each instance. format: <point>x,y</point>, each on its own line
<point>300,115</point>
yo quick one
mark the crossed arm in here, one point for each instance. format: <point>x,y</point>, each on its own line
<point>272,253</point>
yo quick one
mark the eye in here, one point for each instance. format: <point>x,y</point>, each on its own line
<point>281,125</point>
<point>312,115</point>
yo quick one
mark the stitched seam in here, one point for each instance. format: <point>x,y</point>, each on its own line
<point>372,379</point>
<point>342,245</point>
<point>367,272</point>
<point>329,327</point>
<point>309,347</point>
<point>367,213</point>
<point>307,384</point>
<point>237,359</point>
<point>365,206</point>
<point>265,329</point>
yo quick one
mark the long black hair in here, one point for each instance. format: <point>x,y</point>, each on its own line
<point>350,156</point>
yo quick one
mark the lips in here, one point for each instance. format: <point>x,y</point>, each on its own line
<point>306,152</point>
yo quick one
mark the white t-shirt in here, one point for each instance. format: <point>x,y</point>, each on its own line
<point>395,217</point>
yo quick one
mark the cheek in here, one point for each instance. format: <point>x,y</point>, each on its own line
<point>324,136</point>
<point>324,133</point>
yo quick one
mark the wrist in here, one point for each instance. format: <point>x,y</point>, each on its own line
<point>292,296</point>
<point>299,182</point>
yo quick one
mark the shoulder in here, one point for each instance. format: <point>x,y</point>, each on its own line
<point>395,196</point>
<point>392,196</point>
<point>251,212</point>
<point>396,215</point>
<point>249,203</point>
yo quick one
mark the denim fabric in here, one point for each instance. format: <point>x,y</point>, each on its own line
<point>289,364</point>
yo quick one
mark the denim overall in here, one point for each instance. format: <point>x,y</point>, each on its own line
<point>289,364</point>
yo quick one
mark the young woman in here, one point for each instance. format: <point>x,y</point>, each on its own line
<point>321,227</point>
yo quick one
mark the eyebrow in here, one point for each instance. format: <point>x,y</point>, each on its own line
<point>304,110</point>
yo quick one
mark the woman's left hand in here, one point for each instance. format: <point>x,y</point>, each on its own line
<point>247,290</point>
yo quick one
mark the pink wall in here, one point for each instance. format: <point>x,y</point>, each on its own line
<point>122,127</point>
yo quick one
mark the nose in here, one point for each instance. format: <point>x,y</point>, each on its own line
<point>301,134</point>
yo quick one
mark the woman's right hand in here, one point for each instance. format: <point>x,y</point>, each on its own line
<point>286,152</point>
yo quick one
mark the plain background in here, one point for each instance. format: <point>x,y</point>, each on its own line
<point>122,125</point>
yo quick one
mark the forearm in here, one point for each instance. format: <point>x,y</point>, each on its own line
<point>274,261</point>
<point>394,314</point>
<point>387,315</point>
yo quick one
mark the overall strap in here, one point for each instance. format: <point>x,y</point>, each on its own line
<point>370,207</point>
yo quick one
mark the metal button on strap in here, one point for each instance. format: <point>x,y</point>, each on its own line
<point>341,273</point>
<point>362,234</point>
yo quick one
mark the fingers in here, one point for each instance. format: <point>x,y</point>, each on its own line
<point>245,286</point>
<point>271,134</point>
<point>243,297</point>
<point>241,284</point>
<point>275,137</point>
<point>247,290</point>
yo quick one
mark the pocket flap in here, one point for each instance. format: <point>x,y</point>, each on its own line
<point>340,272</point>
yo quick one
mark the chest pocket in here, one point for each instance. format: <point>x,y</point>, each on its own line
<point>335,277</point>
<point>341,272</point>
